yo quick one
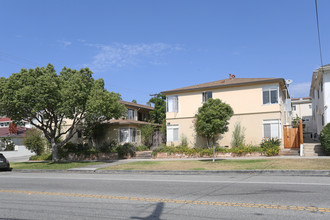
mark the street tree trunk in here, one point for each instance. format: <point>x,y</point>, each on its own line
<point>54,150</point>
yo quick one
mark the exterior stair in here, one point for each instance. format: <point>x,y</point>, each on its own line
<point>289,152</point>
<point>313,149</point>
<point>143,155</point>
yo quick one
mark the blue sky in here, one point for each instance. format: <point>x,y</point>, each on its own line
<point>144,47</point>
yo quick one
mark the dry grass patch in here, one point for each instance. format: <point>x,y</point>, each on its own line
<point>243,164</point>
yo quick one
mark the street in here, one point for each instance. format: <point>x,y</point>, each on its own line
<point>151,196</point>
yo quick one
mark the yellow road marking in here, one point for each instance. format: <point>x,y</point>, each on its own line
<point>196,202</point>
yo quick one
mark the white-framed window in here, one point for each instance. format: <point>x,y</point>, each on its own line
<point>127,135</point>
<point>270,95</point>
<point>172,132</point>
<point>131,114</point>
<point>294,108</point>
<point>206,96</point>
<point>271,129</point>
<point>172,104</point>
<point>4,124</point>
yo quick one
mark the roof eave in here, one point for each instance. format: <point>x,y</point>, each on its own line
<point>223,86</point>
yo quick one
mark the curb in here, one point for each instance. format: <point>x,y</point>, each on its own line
<point>169,172</point>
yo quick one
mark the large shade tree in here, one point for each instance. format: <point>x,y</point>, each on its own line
<point>212,120</point>
<point>58,104</point>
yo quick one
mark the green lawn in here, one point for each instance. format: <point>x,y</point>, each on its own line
<point>246,164</point>
<point>50,165</point>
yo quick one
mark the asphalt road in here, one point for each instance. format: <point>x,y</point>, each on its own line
<point>145,196</point>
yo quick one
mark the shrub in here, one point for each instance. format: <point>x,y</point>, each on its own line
<point>34,141</point>
<point>8,143</point>
<point>126,149</point>
<point>108,147</point>
<point>184,141</point>
<point>77,149</point>
<point>325,139</point>
<point>271,146</point>
<point>238,135</point>
<point>41,157</point>
<point>142,148</point>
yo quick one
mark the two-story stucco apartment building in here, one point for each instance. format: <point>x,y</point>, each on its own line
<point>320,93</point>
<point>258,104</point>
<point>123,130</point>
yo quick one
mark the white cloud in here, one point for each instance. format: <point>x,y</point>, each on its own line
<point>119,55</point>
<point>64,43</point>
<point>299,89</point>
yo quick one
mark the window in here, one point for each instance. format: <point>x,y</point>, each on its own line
<point>131,114</point>
<point>294,108</point>
<point>270,96</point>
<point>172,132</point>
<point>127,135</point>
<point>172,103</point>
<point>272,129</point>
<point>4,124</point>
<point>206,96</point>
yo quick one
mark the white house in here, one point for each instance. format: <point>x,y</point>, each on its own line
<point>302,107</point>
<point>320,93</point>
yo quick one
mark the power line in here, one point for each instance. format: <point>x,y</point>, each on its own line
<point>19,61</point>
<point>318,32</point>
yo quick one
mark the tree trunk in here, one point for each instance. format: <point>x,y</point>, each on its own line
<point>54,150</point>
<point>213,153</point>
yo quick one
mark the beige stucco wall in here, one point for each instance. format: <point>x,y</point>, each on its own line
<point>248,107</point>
<point>253,124</point>
<point>244,100</point>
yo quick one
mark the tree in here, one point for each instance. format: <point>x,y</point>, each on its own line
<point>158,115</point>
<point>212,120</point>
<point>58,104</point>
<point>134,101</point>
<point>147,131</point>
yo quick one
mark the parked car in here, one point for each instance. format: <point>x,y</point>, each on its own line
<point>4,163</point>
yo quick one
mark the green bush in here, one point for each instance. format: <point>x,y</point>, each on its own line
<point>126,149</point>
<point>270,146</point>
<point>41,157</point>
<point>238,136</point>
<point>34,141</point>
<point>204,151</point>
<point>142,148</point>
<point>108,147</point>
<point>325,139</point>
<point>77,149</point>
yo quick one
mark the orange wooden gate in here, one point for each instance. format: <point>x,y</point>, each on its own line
<point>293,136</point>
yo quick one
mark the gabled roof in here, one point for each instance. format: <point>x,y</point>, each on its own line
<point>5,119</point>
<point>226,83</point>
<point>136,105</point>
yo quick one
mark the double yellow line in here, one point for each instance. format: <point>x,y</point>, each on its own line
<point>193,202</point>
